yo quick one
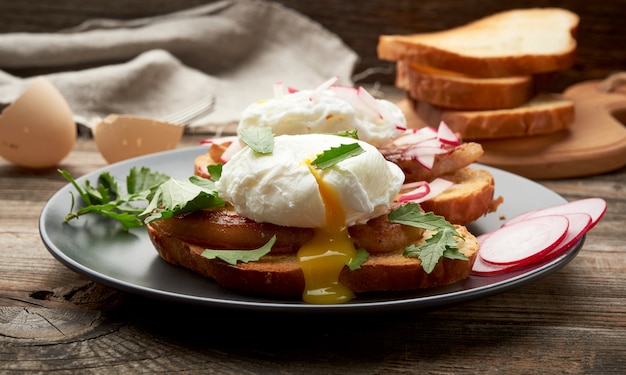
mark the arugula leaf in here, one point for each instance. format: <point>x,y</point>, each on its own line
<point>360,258</point>
<point>140,180</point>
<point>411,214</point>
<point>215,171</point>
<point>174,197</point>
<point>443,243</point>
<point>144,187</point>
<point>348,133</point>
<point>259,139</point>
<point>245,256</point>
<point>334,155</point>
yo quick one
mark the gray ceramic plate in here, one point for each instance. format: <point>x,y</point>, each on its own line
<point>101,250</point>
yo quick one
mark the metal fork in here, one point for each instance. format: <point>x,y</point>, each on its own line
<point>192,112</point>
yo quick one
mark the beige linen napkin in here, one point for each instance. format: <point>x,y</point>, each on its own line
<point>234,49</point>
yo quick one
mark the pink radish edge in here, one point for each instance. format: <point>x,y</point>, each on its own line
<point>582,215</point>
<point>524,242</point>
<point>594,207</point>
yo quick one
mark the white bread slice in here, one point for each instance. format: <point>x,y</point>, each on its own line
<point>460,91</point>
<point>281,275</point>
<point>543,114</point>
<point>509,43</point>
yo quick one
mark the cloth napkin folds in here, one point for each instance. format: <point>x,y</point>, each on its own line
<point>150,67</point>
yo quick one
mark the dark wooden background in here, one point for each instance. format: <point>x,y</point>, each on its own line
<point>601,35</point>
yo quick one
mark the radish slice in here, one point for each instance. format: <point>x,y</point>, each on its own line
<point>423,191</point>
<point>594,207</point>
<point>437,186</point>
<point>446,135</point>
<point>230,151</point>
<point>482,268</point>
<point>279,90</point>
<point>418,191</point>
<point>321,88</point>
<point>415,136</point>
<point>350,96</point>
<point>524,242</point>
<point>579,224</point>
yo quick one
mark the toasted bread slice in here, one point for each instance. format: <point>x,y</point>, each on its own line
<point>543,114</point>
<point>459,91</point>
<point>459,157</point>
<point>509,43</point>
<point>280,275</point>
<point>471,196</point>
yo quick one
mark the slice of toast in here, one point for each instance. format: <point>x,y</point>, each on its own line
<point>543,114</point>
<point>281,275</point>
<point>510,43</point>
<point>460,91</point>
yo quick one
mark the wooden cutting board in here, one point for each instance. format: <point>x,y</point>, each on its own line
<point>595,143</point>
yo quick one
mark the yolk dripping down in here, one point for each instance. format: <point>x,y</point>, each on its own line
<point>323,257</point>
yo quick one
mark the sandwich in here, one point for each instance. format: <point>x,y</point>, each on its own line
<point>291,228</point>
<point>325,196</point>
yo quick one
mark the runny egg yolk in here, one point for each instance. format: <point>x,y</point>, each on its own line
<point>323,257</point>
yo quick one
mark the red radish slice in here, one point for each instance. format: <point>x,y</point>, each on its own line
<point>422,191</point>
<point>437,186</point>
<point>594,207</point>
<point>426,161</point>
<point>279,90</point>
<point>230,151</point>
<point>350,96</point>
<point>446,135</point>
<point>415,136</point>
<point>418,191</point>
<point>482,268</point>
<point>524,242</point>
<point>579,224</point>
<point>321,88</point>
<point>368,99</point>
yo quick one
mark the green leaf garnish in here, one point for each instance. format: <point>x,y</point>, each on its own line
<point>337,154</point>
<point>259,139</point>
<point>146,194</point>
<point>443,243</point>
<point>359,258</point>
<point>411,214</point>
<point>175,197</point>
<point>141,180</point>
<point>245,256</point>
<point>215,171</point>
<point>348,133</point>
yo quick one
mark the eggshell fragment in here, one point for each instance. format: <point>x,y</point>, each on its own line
<point>121,137</point>
<point>37,130</point>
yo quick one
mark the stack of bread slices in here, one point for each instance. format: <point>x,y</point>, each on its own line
<point>486,79</point>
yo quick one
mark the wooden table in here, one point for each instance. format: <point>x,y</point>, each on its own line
<point>570,322</point>
<point>52,319</point>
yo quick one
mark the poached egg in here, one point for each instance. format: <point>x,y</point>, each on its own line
<point>284,188</point>
<point>327,109</point>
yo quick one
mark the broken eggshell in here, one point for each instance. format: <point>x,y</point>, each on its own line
<point>121,137</point>
<point>37,130</point>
